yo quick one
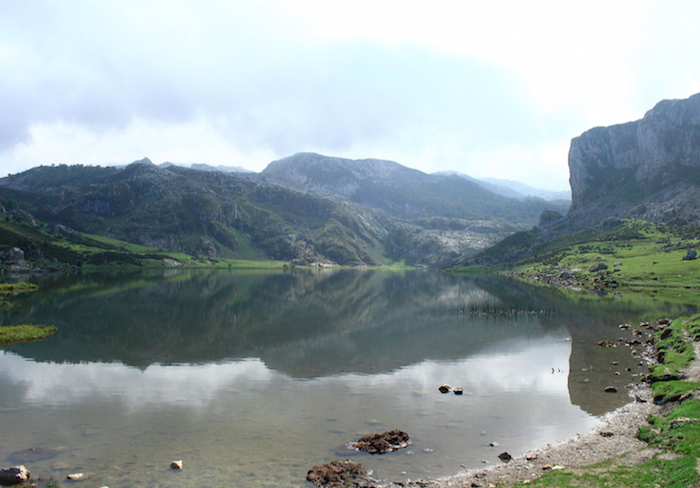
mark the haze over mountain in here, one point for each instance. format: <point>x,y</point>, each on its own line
<point>512,189</point>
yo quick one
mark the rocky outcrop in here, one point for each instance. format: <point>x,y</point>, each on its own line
<point>645,169</point>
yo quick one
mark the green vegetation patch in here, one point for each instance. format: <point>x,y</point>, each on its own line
<point>675,351</point>
<point>12,334</point>
<point>11,288</point>
<point>642,258</point>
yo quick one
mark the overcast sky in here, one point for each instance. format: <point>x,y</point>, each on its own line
<point>484,88</point>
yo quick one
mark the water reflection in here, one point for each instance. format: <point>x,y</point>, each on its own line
<point>255,377</point>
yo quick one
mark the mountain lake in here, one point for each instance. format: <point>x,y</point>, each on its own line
<point>251,378</point>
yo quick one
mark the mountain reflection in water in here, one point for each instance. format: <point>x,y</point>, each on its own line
<point>277,370</point>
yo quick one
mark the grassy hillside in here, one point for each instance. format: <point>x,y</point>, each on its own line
<point>48,247</point>
<point>642,258</point>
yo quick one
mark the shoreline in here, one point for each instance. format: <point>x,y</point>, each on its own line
<point>614,436</point>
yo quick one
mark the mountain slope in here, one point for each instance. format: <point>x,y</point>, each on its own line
<point>403,192</point>
<point>304,209</point>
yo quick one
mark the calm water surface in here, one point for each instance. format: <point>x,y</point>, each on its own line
<point>252,378</point>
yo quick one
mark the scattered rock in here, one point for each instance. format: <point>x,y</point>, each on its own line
<point>531,457</point>
<point>176,464</point>
<point>75,476</point>
<point>617,263</point>
<point>171,263</point>
<point>610,389</point>
<point>444,388</point>
<point>458,391</point>
<point>606,434</point>
<point>680,421</point>
<point>598,267</point>
<point>14,476</point>
<point>690,255</point>
<point>382,443</point>
<point>505,457</point>
<point>340,473</point>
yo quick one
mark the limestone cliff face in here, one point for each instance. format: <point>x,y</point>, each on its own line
<point>646,169</point>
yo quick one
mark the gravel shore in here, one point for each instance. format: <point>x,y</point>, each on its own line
<point>614,437</point>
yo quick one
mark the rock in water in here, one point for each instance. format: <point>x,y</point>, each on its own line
<point>505,457</point>
<point>75,476</point>
<point>176,464</point>
<point>14,476</point>
<point>340,474</point>
<point>388,441</point>
<point>444,388</point>
<point>32,454</point>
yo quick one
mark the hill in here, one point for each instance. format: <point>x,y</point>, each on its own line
<point>398,214</point>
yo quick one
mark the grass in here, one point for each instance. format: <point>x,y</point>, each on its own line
<point>12,288</point>
<point>643,259</point>
<point>12,334</point>
<point>678,432</point>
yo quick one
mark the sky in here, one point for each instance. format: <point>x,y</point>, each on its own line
<point>489,89</point>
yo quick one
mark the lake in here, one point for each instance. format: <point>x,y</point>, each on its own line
<point>251,378</point>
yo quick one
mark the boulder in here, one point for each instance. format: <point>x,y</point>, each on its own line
<point>340,474</point>
<point>14,476</point>
<point>690,255</point>
<point>505,457</point>
<point>382,443</point>
<point>598,267</point>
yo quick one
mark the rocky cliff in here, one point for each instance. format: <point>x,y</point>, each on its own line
<point>646,169</point>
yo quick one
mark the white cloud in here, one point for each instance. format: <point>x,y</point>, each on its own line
<point>433,85</point>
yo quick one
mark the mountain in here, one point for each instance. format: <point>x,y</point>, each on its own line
<point>402,192</point>
<point>646,169</point>
<point>305,209</point>
<point>512,189</point>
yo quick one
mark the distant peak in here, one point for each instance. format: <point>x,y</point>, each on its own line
<point>144,161</point>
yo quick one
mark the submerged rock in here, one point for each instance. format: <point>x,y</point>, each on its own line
<point>32,454</point>
<point>14,476</point>
<point>388,441</point>
<point>340,474</point>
